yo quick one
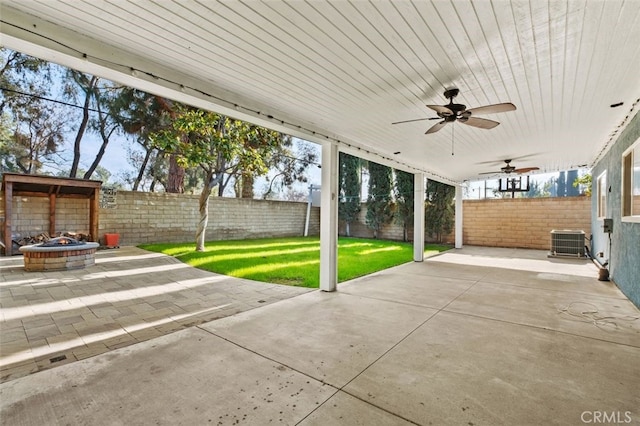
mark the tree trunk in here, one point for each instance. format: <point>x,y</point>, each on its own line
<point>247,186</point>
<point>106,136</point>
<point>348,229</point>
<point>203,208</point>
<point>175,181</point>
<point>82,128</point>
<point>143,167</point>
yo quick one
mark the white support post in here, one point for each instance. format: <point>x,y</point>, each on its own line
<point>329,218</point>
<point>458,216</point>
<point>418,216</point>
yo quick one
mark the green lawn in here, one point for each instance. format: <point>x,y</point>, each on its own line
<point>292,261</point>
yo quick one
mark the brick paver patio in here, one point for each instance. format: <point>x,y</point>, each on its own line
<point>130,295</point>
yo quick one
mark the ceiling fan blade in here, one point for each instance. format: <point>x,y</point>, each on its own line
<point>526,169</point>
<point>489,173</point>
<point>440,109</point>
<point>492,109</point>
<point>417,119</point>
<point>482,123</point>
<point>436,127</point>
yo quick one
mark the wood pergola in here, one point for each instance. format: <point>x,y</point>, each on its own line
<point>53,188</point>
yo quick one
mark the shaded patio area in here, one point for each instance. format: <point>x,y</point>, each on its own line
<point>473,336</point>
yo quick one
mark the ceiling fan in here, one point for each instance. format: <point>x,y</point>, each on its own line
<point>458,112</point>
<point>508,169</point>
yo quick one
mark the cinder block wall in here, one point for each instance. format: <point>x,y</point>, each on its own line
<point>518,222</point>
<point>359,229</point>
<point>141,217</point>
<point>72,215</point>
<point>523,222</point>
<point>31,215</point>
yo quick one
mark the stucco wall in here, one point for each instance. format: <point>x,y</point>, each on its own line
<point>624,261</point>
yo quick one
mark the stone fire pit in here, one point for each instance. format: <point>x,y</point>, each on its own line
<point>59,254</point>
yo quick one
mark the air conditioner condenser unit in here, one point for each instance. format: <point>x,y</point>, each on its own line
<point>567,243</point>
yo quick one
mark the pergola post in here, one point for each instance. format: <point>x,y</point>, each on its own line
<point>8,212</point>
<point>94,203</point>
<point>418,216</point>
<point>52,213</point>
<point>458,216</point>
<point>329,218</point>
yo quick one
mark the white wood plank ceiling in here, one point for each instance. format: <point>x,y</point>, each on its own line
<point>347,69</point>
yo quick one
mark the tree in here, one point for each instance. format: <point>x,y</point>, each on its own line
<point>536,190</point>
<point>585,180</point>
<point>404,199</point>
<point>571,189</point>
<point>551,187</point>
<point>220,146</point>
<point>288,163</point>
<point>33,129</point>
<point>104,122</point>
<point>35,139</point>
<point>379,206</point>
<point>42,123</point>
<point>142,114</point>
<point>87,84</point>
<point>349,181</point>
<point>439,211</point>
<point>19,75</point>
<point>562,185</point>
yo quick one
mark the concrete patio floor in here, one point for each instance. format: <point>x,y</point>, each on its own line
<point>476,336</point>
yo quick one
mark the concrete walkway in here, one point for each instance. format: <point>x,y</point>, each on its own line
<point>129,296</point>
<point>472,337</point>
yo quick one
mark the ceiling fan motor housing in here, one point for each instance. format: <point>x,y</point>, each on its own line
<point>451,93</point>
<point>456,108</point>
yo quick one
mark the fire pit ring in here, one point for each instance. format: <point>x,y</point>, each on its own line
<point>59,254</point>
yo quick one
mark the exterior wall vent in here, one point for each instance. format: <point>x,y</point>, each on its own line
<point>567,243</point>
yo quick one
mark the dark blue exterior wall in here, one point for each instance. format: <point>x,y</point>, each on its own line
<point>624,259</point>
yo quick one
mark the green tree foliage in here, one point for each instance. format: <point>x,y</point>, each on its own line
<point>142,114</point>
<point>585,180</point>
<point>33,129</point>
<point>536,190</point>
<point>404,200</point>
<point>379,205</point>
<point>288,163</point>
<point>561,185</point>
<point>41,123</point>
<point>22,74</point>
<point>440,209</point>
<point>220,146</point>
<point>572,190</point>
<point>350,186</point>
<point>36,138</point>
